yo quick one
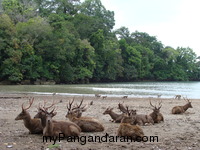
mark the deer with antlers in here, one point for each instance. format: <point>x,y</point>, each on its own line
<point>33,125</point>
<point>54,128</point>
<point>182,109</point>
<point>127,127</point>
<point>140,119</point>
<point>87,124</point>
<point>156,115</point>
<point>116,117</point>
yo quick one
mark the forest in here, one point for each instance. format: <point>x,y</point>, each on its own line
<point>69,41</point>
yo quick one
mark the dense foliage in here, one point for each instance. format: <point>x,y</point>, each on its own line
<point>67,41</point>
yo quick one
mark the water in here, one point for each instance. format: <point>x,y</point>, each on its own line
<point>132,89</point>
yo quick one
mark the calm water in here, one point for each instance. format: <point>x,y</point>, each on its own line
<point>133,89</point>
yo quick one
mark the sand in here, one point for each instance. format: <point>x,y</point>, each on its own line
<point>176,132</point>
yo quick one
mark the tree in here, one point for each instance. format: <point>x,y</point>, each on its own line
<point>104,19</point>
<point>10,56</point>
<point>19,10</point>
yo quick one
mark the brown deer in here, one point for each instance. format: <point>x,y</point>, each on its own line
<point>87,124</point>
<point>78,110</point>
<point>156,115</point>
<point>181,109</point>
<point>116,117</point>
<point>104,97</point>
<point>54,128</point>
<point>124,97</point>
<point>97,95</point>
<point>33,125</point>
<point>127,128</point>
<point>140,119</point>
<point>177,97</point>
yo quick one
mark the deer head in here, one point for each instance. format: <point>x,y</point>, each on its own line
<point>24,114</point>
<point>108,111</point>
<point>189,103</point>
<point>75,111</point>
<point>156,109</point>
<point>43,110</point>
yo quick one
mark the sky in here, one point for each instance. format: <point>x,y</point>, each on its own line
<point>175,23</point>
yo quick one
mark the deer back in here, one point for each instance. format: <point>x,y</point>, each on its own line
<point>181,109</point>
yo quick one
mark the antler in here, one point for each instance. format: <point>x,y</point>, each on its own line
<point>30,103</point>
<point>122,108</point>
<point>128,112</point>
<point>53,103</point>
<point>69,106</point>
<point>160,105</point>
<point>152,104</point>
<point>186,99</point>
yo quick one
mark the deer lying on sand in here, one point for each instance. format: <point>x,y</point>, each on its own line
<point>140,119</point>
<point>127,128</point>
<point>116,117</point>
<point>181,109</point>
<point>87,124</point>
<point>54,128</point>
<point>156,115</point>
<point>33,125</point>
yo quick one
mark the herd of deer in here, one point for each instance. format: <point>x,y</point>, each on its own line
<point>129,120</point>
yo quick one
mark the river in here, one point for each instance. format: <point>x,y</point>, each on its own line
<point>188,89</point>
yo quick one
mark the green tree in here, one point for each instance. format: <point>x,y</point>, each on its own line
<point>10,56</point>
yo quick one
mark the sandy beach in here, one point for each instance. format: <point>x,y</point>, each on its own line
<point>176,132</point>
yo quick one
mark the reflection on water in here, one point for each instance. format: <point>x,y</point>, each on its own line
<point>133,89</point>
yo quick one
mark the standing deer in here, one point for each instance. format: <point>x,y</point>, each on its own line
<point>181,109</point>
<point>87,124</point>
<point>177,96</point>
<point>33,125</point>
<point>116,117</point>
<point>126,96</point>
<point>156,115</point>
<point>127,128</point>
<point>97,95</point>
<point>54,128</point>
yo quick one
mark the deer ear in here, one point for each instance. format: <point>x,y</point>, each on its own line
<point>54,114</point>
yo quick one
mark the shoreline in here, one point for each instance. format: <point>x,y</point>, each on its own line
<point>24,94</point>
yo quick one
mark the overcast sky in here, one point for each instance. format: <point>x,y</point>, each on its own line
<point>174,22</point>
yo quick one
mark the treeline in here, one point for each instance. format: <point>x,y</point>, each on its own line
<point>67,41</point>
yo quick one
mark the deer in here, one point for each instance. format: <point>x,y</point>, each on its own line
<point>177,96</point>
<point>79,109</point>
<point>116,117</point>
<point>104,97</point>
<point>54,128</point>
<point>33,125</point>
<point>125,97</point>
<point>97,95</point>
<point>140,119</point>
<point>128,129</point>
<point>182,109</point>
<point>156,115</point>
<point>87,124</point>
